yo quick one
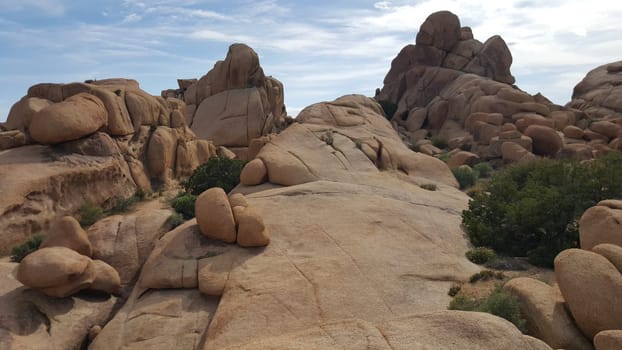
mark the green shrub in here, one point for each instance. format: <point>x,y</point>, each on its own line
<point>465,175</point>
<point>483,169</point>
<point>439,142</point>
<point>389,108</point>
<point>141,194</point>
<point>358,143</point>
<point>532,209</point>
<point>19,252</point>
<point>455,289</point>
<point>481,255</point>
<point>216,172</point>
<point>484,275</point>
<point>122,205</point>
<point>444,156</point>
<point>466,147</point>
<point>328,137</point>
<point>89,214</point>
<point>183,203</point>
<point>175,220</point>
<point>429,187</point>
<point>498,303</point>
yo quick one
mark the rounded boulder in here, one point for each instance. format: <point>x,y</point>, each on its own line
<point>546,141</point>
<point>252,231</point>
<point>254,173</point>
<point>592,288</point>
<point>67,232</point>
<point>214,215</point>
<point>78,116</point>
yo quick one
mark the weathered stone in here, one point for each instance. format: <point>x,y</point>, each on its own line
<point>67,232</point>
<point>214,215</point>
<point>254,173</point>
<point>601,224</point>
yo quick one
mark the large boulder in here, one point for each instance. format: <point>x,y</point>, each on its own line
<point>214,215</point>
<point>599,94</point>
<point>546,141</point>
<point>32,320</point>
<point>232,118</point>
<point>67,232</point>
<point>75,117</point>
<point>239,70</point>
<point>161,152</point>
<point>254,173</point>
<point>608,340</point>
<point>592,288</point>
<point>22,111</point>
<point>547,318</point>
<point>252,231</point>
<point>601,224</point>
<point>441,29</point>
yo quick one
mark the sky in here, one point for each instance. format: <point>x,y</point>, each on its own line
<point>320,50</point>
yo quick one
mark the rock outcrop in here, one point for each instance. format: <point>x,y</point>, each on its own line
<point>454,87</point>
<point>234,102</point>
<point>89,142</point>
<point>601,224</point>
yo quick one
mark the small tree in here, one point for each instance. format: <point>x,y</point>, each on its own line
<point>216,172</point>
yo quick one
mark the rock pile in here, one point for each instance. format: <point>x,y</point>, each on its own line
<point>587,305</point>
<point>220,216</point>
<point>89,143</point>
<point>454,87</point>
<point>234,102</point>
<point>63,266</point>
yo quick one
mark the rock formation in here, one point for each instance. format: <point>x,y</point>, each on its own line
<point>454,87</point>
<point>88,142</point>
<point>234,102</point>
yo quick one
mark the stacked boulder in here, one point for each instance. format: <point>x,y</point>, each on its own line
<point>63,265</point>
<point>230,219</point>
<point>586,308</point>
<point>452,86</point>
<point>109,132</point>
<point>234,102</point>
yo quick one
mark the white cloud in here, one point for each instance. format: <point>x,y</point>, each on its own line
<point>132,18</point>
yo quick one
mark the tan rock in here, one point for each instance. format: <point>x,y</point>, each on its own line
<point>119,121</point>
<point>12,139</point>
<point>239,70</point>
<point>462,158</point>
<point>546,141</point>
<point>161,152</point>
<point>606,128</point>
<point>214,273</point>
<point>252,232</point>
<point>601,224</point>
<point>47,91</point>
<point>512,152</point>
<point>214,215</point>
<point>237,200</point>
<point>254,173</point>
<point>592,288</point>
<point>67,232</point>
<point>178,119</point>
<point>547,319</point>
<point>416,118</point>
<point>441,30</point>
<point>56,271</point>
<point>106,278</point>
<point>76,117</point>
<point>608,340</point>
<point>489,118</point>
<point>594,136</point>
<point>22,111</point>
<point>612,252</point>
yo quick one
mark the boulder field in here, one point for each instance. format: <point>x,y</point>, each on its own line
<point>339,235</point>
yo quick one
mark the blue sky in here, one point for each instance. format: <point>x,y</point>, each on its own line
<point>320,50</point>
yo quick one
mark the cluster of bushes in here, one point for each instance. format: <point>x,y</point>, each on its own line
<point>90,213</point>
<point>498,303</point>
<point>467,176</point>
<point>216,172</point>
<point>481,255</point>
<point>532,209</point>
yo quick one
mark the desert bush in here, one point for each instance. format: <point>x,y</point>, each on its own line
<point>483,169</point>
<point>122,205</point>
<point>444,156</point>
<point>465,175</point>
<point>466,147</point>
<point>19,252</point>
<point>175,220</point>
<point>498,303</point>
<point>216,172</point>
<point>389,108</point>
<point>89,214</point>
<point>481,255</point>
<point>532,209</point>
<point>454,290</point>
<point>484,275</point>
<point>183,203</point>
<point>429,187</point>
<point>358,143</point>
<point>439,142</point>
<point>328,137</point>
